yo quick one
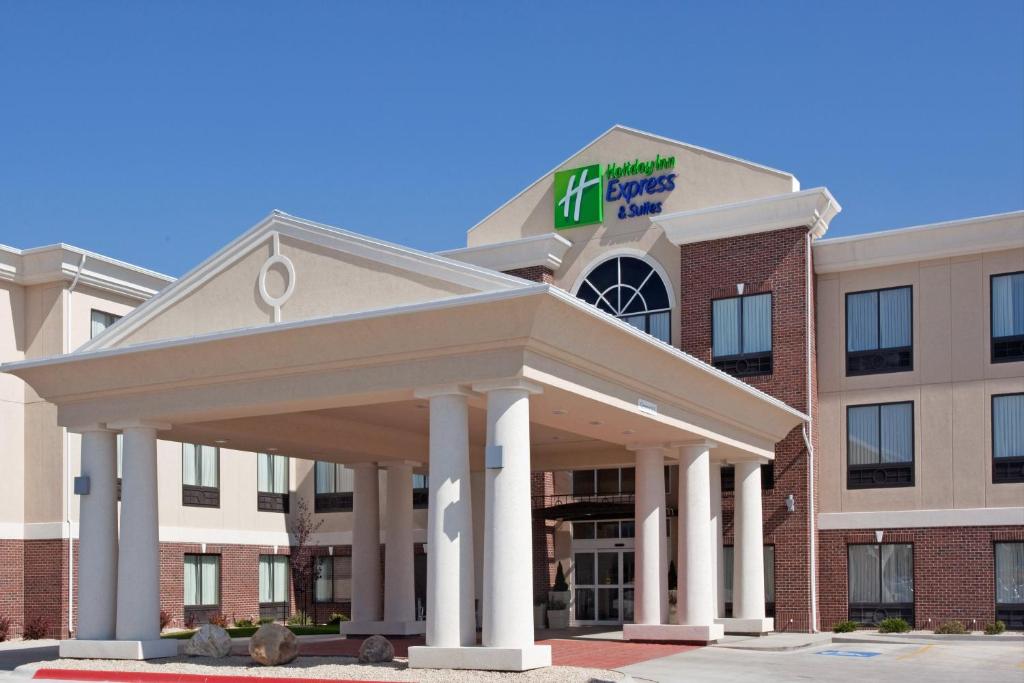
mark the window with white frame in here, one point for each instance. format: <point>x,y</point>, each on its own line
<point>333,484</point>
<point>333,579</point>
<point>879,331</point>
<point>1007,438</point>
<point>880,445</point>
<point>741,334</point>
<point>769,579</point>
<point>200,475</point>
<point>273,579</point>
<point>1007,299</point>
<point>881,582</point>
<point>630,289</point>
<point>1009,566</point>
<point>202,580</point>
<point>99,321</point>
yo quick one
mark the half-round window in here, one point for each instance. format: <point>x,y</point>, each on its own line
<point>632,291</point>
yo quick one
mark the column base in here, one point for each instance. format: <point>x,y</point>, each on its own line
<point>480,658</point>
<point>676,633</point>
<point>383,628</point>
<point>119,649</point>
<point>747,626</point>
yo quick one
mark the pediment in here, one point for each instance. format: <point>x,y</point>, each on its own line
<point>287,269</point>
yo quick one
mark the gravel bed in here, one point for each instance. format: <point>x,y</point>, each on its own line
<point>337,668</point>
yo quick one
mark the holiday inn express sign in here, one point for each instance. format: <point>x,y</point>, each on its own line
<point>581,193</point>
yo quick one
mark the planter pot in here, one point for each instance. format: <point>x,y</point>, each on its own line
<point>558,618</point>
<point>672,597</point>
<point>539,616</point>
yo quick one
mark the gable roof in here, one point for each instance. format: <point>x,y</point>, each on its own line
<point>650,136</point>
<point>277,224</point>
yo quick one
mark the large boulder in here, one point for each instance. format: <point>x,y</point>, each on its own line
<point>209,641</point>
<point>376,649</point>
<point>273,644</point>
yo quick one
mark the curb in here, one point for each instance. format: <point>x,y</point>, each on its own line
<point>906,638</point>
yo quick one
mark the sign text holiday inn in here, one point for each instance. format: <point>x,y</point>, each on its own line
<point>580,193</point>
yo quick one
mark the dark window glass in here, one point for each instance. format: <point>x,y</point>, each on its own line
<point>1007,438</point>
<point>879,335</point>
<point>880,445</point>
<point>631,290</point>
<point>881,582</point>
<point>741,334</point>
<point>1007,298</point>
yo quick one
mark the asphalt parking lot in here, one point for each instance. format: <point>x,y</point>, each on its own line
<point>955,662</point>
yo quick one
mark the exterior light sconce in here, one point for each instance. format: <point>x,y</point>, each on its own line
<point>790,503</point>
<point>878,536</point>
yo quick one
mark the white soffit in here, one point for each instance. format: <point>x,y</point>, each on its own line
<point>813,209</point>
<point>541,250</point>
<point>921,243</point>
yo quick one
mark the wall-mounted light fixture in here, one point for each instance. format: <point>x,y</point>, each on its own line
<point>878,536</point>
<point>790,503</point>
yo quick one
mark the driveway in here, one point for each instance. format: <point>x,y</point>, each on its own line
<point>15,654</point>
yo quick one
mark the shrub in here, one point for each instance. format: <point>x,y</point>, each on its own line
<point>673,578</point>
<point>557,605</point>
<point>165,619</point>
<point>265,620</point>
<point>845,627</point>
<point>218,619</point>
<point>952,627</point>
<point>36,628</point>
<point>893,625</point>
<point>560,584</point>
<point>190,621</point>
<point>300,618</point>
<point>5,628</point>
<point>337,618</point>
<point>244,623</point>
<point>993,629</point>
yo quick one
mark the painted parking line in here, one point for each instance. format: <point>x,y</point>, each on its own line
<point>916,653</point>
<point>848,653</point>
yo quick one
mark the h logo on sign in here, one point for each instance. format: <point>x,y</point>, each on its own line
<point>578,197</point>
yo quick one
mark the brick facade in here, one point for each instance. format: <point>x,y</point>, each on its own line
<point>534,273</point>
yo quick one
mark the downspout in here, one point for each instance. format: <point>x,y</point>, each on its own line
<point>807,432</point>
<point>67,461</point>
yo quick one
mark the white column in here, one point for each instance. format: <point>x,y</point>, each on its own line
<point>695,607</point>
<point>717,551</point>
<point>450,594</point>
<point>650,534</point>
<point>748,549</point>
<point>138,567</point>
<point>508,535</point>
<point>365,543</point>
<point>399,580</point>
<point>97,551</point>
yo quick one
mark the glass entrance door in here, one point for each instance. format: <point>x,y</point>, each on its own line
<point>604,587</point>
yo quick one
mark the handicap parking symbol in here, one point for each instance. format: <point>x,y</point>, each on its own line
<point>847,653</point>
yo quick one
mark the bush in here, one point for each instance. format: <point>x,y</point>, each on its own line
<point>337,618</point>
<point>845,627</point>
<point>950,628</point>
<point>218,619</point>
<point>265,620</point>
<point>165,619</point>
<point>557,605</point>
<point>5,628</point>
<point>244,623</point>
<point>893,625</point>
<point>190,621</point>
<point>36,628</point>
<point>673,578</point>
<point>560,584</point>
<point>300,618</point>
<point>993,629</point>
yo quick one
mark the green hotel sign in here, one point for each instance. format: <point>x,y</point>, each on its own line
<point>580,193</point>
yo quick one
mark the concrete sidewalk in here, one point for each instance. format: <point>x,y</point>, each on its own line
<point>774,642</point>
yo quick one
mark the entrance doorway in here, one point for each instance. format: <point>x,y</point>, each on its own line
<point>603,572</point>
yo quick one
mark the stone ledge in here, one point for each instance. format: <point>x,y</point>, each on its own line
<point>480,658</point>
<point>383,628</point>
<point>674,633</point>
<point>747,626</point>
<point>119,649</point>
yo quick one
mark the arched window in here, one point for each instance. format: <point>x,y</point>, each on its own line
<point>632,291</point>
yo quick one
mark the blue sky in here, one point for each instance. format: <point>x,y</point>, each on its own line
<point>156,132</point>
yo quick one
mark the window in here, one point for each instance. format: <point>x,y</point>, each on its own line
<point>1010,584</point>
<point>879,335</point>
<point>100,321</point>
<point>202,580</point>
<point>1007,438</point>
<point>741,334</point>
<point>880,445</point>
<point>606,482</point>
<point>881,582</point>
<point>120,463</point>
<point>1007,317</point>
<point>767,477</point>
<point>333,579</point>
<point>200,475</point>
<point>420,491</point>
<point>769,579</point>
<point>274,586</point>
<point>272,482</point>
<point>632,291</point>
<point>333,488</point>
<point>588,531</point>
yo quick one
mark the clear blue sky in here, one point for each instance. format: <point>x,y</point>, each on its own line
<point>156,132</point>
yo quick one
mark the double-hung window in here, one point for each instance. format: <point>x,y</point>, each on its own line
<point>200,475</point>
<point>881,582</point>
<point>741,334</point>
<point>1010,584</point>
<point>880,445</point>
<point>333,488</point>
<point>769,579</point>
<point>202,585</point>
<point>1007,438</point>
<point>99,321</point>
<point>332,579</point>
<point>879,335</point>
<point>272,482</point>
<point>1007,317</point>
<point>273,579</point>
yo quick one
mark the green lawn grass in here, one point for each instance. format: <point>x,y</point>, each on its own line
<point>246,631</point>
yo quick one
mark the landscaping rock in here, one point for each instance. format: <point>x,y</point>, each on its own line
<point>273,644</point>
<point>209,641</point>
<point>376,649</point>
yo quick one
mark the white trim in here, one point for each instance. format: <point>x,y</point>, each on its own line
<point>539,250</point>
<point>813,208</point>
<point>921,243</point>
<point>650,136</point>
<point>922,518</point>
<point>635,253</point>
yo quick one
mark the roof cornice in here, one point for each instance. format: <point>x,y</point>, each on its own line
<point>540,250</point>
<point>813,209</point>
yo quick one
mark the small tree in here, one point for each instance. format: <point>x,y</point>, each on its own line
<point>560,584</point>
<point>301,562</point>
